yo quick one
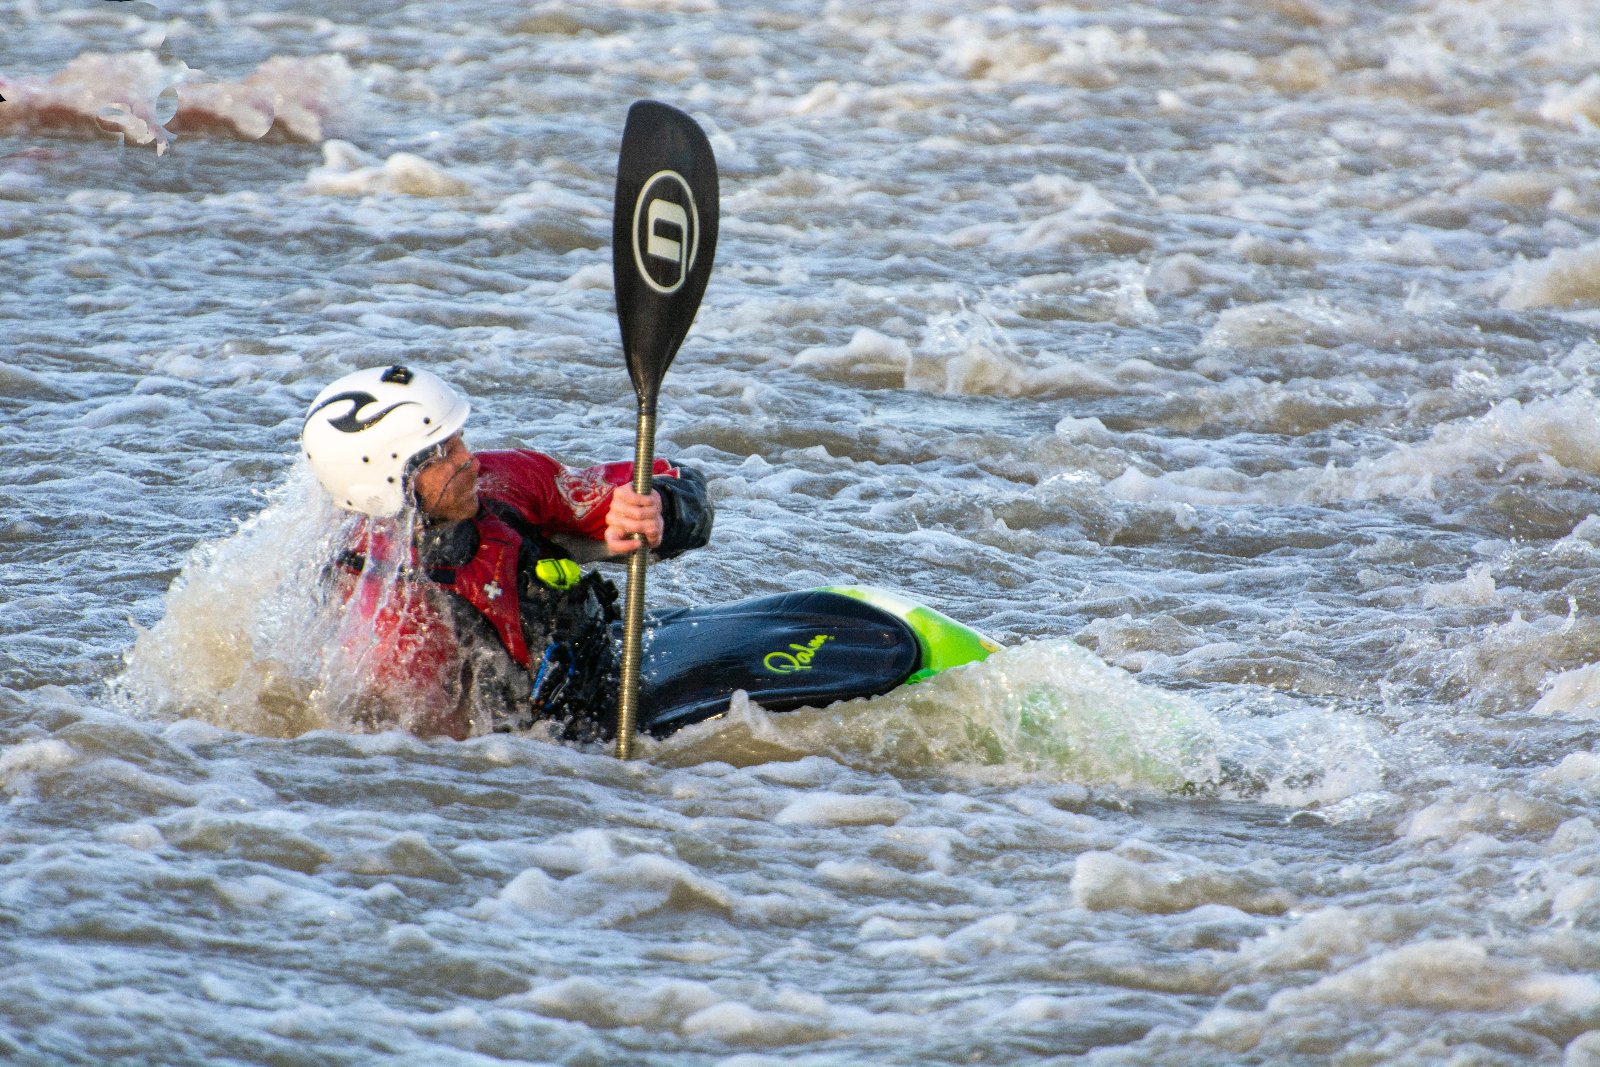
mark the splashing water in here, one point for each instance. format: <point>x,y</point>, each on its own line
<point>1046,709</point>
<point>252,640</point>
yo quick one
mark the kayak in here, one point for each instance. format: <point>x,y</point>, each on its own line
<point>792,650</point>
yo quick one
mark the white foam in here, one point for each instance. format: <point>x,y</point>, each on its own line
<point>1543,440</point>
<point>158,787</point>
<point>141,835</point>
<point>728,1021</point>
<point>665,1004</point>
<point>259,892</point>
<point>1583,1050</point>
<point>1454,975</point>
<point>1575,900</point>
<point>1452,820</point>
<point>859,875</point>
<point>348,171</point>
<point>1186,487</point>
<point>868,352</point>
<point>965,353</point>
<point>1324,939</point>
<point>1302,320</point>
<point>836,809</point>
<point>1574,693</point>
<point>532,891</point>
<point>613,894</point>
<point>1445,975</point>
<point>997,47</point>
<point>21,765</point>
<point>583,850</point>
<point>1477,589</point>
<point>1533,439</point>
<point>1581,769</point>
<point>141,410</point>
<point>1141,880</point>
<point>1577,105</point>
<point>674,6</point>
<point>1566,278</point>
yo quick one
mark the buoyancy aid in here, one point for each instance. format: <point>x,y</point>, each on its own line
<point>502,572</point>
<point>551,618</point>
<point>488,579</point>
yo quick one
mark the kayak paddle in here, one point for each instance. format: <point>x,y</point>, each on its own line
<point>663,239</point>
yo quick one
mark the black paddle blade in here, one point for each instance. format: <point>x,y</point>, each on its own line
<point>663,237</point>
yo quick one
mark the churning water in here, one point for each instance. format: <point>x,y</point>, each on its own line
<point>1232,361</point>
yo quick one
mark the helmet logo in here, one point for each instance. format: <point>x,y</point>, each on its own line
<point>666,232</point>
<point>349,422</point>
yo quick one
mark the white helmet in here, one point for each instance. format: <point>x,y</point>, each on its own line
<point>363,431</point>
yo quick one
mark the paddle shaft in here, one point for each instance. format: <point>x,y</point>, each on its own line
<point>644,447</point>
<point>664,222</point>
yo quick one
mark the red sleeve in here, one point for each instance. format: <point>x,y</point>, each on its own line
<point>555,498</point>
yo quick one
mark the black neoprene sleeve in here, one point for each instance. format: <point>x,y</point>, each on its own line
<point>686,512</point>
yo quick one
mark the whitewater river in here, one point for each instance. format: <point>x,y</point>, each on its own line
<point>1233,362</point>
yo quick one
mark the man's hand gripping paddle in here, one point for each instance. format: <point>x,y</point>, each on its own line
<point>663,239</point>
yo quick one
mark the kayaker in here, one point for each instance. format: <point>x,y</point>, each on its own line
<point>467,565</point>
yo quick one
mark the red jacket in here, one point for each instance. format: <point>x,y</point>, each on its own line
<point>400,630</point>
<point>553,498</point>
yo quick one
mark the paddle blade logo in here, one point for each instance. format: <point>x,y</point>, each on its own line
<point>666,232</point>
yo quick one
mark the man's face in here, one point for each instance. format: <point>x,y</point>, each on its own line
<point>447,482</point>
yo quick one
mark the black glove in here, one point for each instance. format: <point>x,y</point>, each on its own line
<point>686,512</point>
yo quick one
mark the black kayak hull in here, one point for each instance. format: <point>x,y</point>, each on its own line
<point>791,650</point>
